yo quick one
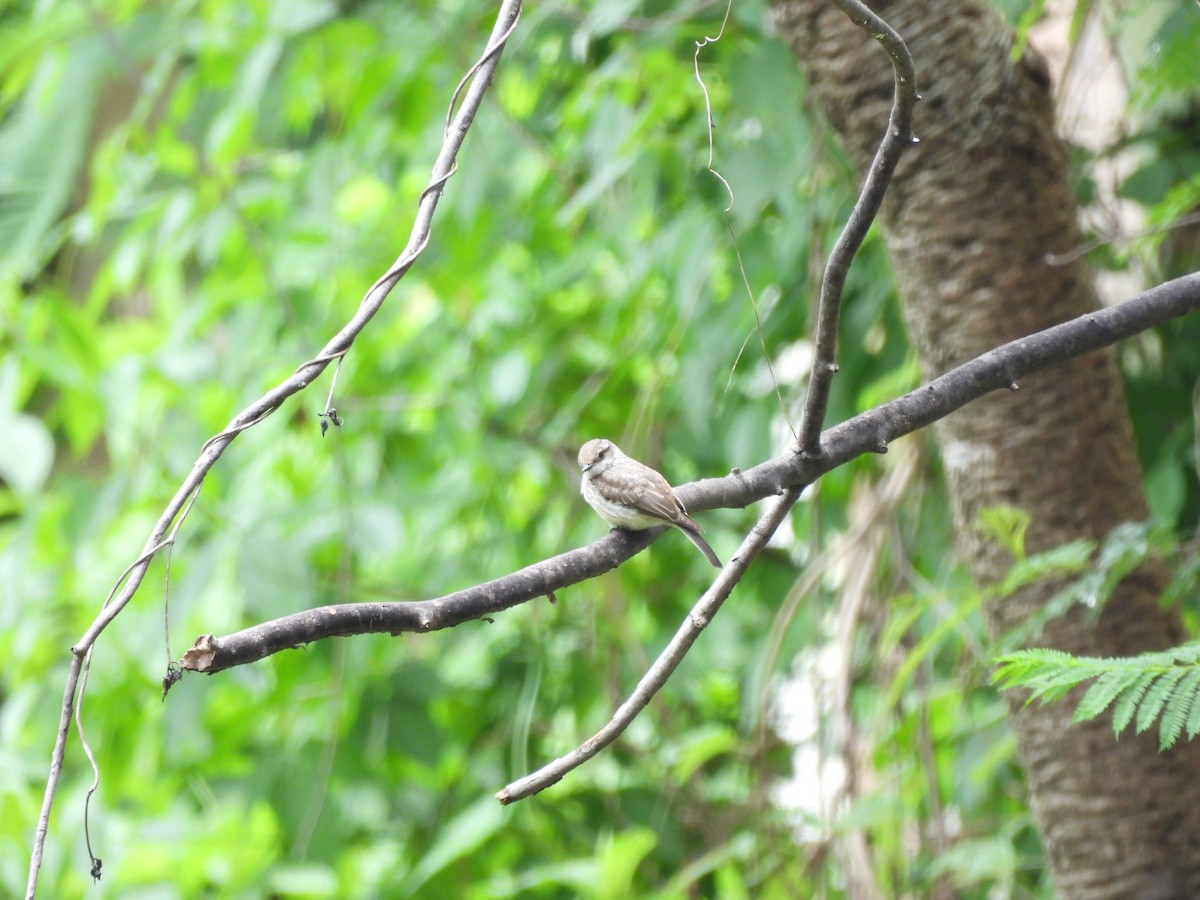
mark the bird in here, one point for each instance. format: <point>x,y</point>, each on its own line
<point>630,495</point>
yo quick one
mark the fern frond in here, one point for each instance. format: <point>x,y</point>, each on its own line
<point>1101,694</point>
<point>1178,707</point>
<point>1128,700</point>
<point>1193,721</point>
<point>1160,686</point>
<point>1156,698</point>
<point>1025,667</point>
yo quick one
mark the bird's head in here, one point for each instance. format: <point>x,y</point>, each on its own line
<point>597,454</point>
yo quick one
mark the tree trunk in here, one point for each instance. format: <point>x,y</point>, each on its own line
<point>973,211</point>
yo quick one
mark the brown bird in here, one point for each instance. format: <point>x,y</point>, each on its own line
<point>628,494</point>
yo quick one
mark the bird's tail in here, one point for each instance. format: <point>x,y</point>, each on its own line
<point>702,545</point>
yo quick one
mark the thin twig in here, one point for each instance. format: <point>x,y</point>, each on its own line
<point>737,250</point>
<point>458,124</point>
<point>670,658</point>
<point>1062,259</point>
<point>708,116</point>
<point>899,136</point>
<point>56,763</point>
<point>169,543</point>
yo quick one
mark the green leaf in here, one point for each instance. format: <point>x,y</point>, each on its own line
<point>459,837</point>
<point>1023,667</point>
<point>1101,694</point>
<point>1066,559</point>
<point>620,856</point>
<point>1053,686</point>
<point>1129,698</point>
<point>1178,709</point>
<point>701,746</point>
<point>1193,720</point>
<point>1007,526</point>
<point>1156,698</point>
<point>41,149</point>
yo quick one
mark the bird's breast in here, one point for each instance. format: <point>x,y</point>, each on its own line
<point>615,514</point>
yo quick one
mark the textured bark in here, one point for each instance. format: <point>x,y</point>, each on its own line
<point>971,214</point>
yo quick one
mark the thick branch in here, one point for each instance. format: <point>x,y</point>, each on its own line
<point>212,655</point>
<point>867,432</point>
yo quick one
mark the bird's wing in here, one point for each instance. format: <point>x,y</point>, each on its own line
<point>657,498</point>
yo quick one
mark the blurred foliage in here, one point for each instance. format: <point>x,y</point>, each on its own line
<point>194,198</point>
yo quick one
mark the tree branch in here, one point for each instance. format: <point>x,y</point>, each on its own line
<point>670,658</point>
<point>868,432</point>
<point>898,136</point>
<point>458,122</point>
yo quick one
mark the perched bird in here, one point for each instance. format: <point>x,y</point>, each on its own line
<point>628,494</point>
